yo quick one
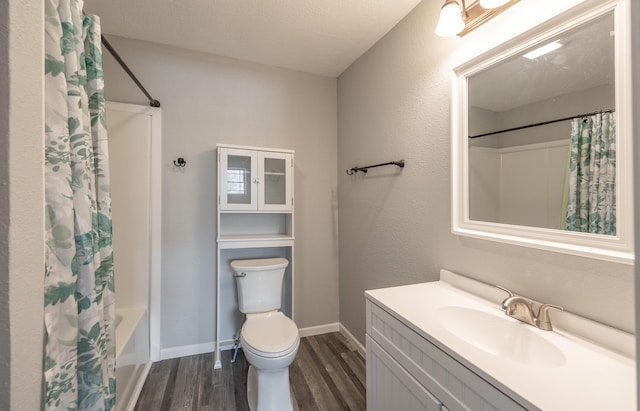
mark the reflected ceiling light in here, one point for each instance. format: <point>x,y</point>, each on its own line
<point>547,48</point>
<point>492,4</point>
<point>450,22</point>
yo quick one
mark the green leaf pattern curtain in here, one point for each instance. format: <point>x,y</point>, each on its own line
<point>79,357</point>
<point>591,204</point>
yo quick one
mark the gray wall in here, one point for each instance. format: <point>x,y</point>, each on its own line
<point>5,327</point>
<point>394,103</point>
<point>21,204</point>
<point>208,100</point>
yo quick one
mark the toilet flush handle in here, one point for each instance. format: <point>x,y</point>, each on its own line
<point>239,274</point>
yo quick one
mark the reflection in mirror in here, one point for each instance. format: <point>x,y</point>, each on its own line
<point>541,146</point>
<point>519,175</point>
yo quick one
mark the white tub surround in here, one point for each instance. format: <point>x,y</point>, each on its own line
<point>412,336</point>
<point>135,156</point>
<point>127,322</point>
<point>132,356</point>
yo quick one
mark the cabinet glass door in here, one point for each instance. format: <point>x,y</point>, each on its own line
<point>275,170</point>
<point>238,184</point>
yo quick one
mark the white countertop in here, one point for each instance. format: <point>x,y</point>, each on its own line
<point>592,377</point>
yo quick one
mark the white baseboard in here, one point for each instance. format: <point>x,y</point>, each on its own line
<point>227,344</point>
<point>350,337</point>
<point>319,329</point>
<point>204,348</point>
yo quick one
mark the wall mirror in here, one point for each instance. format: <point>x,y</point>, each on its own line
<point>541,138</point>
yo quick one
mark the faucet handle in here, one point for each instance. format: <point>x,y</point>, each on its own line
<point>504,289</point>
<point>543,320</point>
<point>508,292</point>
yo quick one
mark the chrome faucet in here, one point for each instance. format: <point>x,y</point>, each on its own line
<point>522,309</point>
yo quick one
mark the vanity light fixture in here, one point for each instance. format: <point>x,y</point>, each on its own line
<point>457,18</point>
<point>450,22</point>
<point>547,48</point>
<point>492,4</point>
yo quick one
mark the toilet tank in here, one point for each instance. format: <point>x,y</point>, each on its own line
<point>259,283</point>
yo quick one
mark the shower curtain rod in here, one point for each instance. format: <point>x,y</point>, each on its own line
<point>542,123</point>
<point>152,102</point>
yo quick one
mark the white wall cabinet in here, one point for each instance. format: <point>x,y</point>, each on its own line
<point>405,371</point>
<point>255,180</point>
<point>255,220</point>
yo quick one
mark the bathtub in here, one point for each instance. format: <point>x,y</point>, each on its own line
<point>132,355</point>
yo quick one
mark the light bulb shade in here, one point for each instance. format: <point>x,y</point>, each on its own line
<point>492,4</point>
<point>450,22</point>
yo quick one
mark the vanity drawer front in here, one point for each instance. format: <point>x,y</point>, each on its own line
<point>390,387</point>
<point>455,385</point>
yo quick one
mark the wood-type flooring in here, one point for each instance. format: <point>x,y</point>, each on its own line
<point>327,374</point>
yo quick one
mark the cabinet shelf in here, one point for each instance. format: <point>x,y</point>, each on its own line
<point>285,212</point>
<point>255,241</point>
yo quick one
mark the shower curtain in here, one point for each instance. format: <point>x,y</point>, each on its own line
<point>79,352</point>
<point>591,196</point>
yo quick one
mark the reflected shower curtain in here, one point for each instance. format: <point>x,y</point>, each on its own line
<point>79,357</point>
<point>591,202</point>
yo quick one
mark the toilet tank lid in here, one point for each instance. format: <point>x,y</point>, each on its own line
<point>259,264</point>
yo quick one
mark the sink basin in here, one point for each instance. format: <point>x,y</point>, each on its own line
<point>501,336</point>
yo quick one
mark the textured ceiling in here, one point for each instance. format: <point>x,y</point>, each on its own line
<point>315,36</point>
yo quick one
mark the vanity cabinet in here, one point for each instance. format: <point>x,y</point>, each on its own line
<point>405,371</point>
<point>255,219</point>
<point>390,386</point>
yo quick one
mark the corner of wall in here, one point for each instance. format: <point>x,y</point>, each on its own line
<point>5,339</point>
<point>22,207</point>
<point>635,90</point>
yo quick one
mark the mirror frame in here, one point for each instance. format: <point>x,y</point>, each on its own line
<point>617,248</point>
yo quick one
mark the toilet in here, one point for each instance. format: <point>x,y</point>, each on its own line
<point>269,339</point>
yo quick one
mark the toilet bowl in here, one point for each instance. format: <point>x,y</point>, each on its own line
<point>269,339</point>
<point>270,343</point>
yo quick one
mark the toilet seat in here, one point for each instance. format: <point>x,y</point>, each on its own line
<point>270,334</point>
